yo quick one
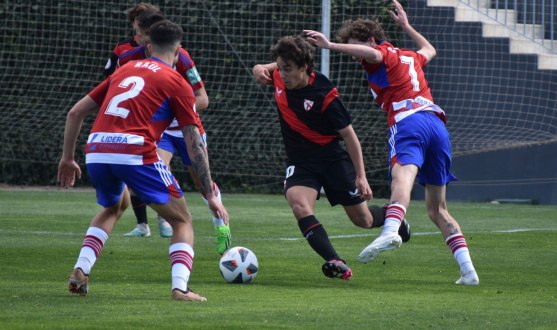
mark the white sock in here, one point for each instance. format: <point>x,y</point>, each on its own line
<point>462,256</point>
<point>457,244</point>
<point>91,249</point>
<point>181,258</point>
<point>393,219</point>
<point>160,219</point>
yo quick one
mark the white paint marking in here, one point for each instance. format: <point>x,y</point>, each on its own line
<point>295,238</point>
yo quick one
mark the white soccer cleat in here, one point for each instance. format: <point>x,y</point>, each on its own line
<point>470,278</point>
<point>381,243</point>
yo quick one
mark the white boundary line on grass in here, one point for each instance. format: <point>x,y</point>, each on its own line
<point>416,234</point>
<point>289,239</point>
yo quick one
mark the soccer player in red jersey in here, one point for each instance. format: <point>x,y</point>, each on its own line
<point>419,144</point>
<point>312,119</point>
<point>129,43</point>
<point>172,139</point>
<point>137,103</point>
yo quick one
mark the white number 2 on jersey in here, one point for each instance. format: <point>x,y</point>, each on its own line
<point>113,109</point>
<point>411,71</point>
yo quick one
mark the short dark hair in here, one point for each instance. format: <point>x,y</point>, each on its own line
<point>361,30</point>
<point>139,9</point>
<point>295,49</point>
<point>165,36</point>
<point>148,18</point>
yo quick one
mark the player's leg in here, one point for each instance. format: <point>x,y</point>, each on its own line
<point>401,187</point>
<point>302,190</point>
<point>222,230</point>
<point>165,150</point>
<point>359,215</point>
<point>111,194</point>
<point>156,185</point>
<point>435,174</point>
<point>439,214</point>
<point>181,247</point>
<point>140,211</point>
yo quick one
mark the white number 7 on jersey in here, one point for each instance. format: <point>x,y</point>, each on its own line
<point>411,71</point>
<point>113,109</point>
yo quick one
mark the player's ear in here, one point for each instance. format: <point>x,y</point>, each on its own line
<point>149,48</point>
<point>177,50</point>
<point>371,41</point>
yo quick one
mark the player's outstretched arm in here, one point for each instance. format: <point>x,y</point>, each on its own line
<point>200,163</point>
<point>201,99</point>
<point>68,168</point>
<point>365,52</point>
<point>355,151</point>
<point>401,19</point>
<point>263,73</point>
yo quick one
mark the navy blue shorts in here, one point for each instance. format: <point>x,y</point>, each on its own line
<point>153,183</point>
<point>423,140</point>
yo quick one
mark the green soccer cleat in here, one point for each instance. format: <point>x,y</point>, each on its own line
<point>139,231</point>
<point>223,238</point>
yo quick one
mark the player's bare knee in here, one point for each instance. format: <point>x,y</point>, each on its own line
<point>300,210</point>
<point>362,220</point>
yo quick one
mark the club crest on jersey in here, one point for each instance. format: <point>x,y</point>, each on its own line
<point>308,104</point>
<point>279,92</point>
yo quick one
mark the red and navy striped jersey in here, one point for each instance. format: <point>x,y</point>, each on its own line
<point>138,102</point>
<point>310,117</point>
<point>398,83</point>
<point>118,50</point>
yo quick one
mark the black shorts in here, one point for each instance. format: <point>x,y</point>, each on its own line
<point>335,173</point>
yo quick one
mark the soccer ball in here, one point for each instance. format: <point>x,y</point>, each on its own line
<point>238,265</point>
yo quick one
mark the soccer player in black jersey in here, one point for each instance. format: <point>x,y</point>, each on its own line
<point>133,15</point>
<point>312,120</point>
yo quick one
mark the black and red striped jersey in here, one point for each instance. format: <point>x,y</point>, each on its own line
<point>310,117</point>
<point>118,50</point>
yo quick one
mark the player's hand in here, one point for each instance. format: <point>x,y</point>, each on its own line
<point>364,189</point>
<point>216,206</point>
<point>67,170</point>
<point>262,75</point>
<point>318,39</point>
<point>401,18</point>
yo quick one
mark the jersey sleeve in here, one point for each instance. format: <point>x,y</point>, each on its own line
<point>183,106</point>
<point>111,64</point>
<point>186,67</point>
<point>337,113</point>
<point>100,91</point>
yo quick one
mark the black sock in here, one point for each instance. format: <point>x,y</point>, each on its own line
<point>317,238</point>
<point>378,214</point>
<point>140,209</point>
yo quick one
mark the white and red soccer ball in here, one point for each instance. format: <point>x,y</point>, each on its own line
<point>238,265</point>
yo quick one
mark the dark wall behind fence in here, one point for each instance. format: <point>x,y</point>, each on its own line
<point>499,107</point>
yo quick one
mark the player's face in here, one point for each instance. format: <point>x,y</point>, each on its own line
<point>144,36</point>
<point>369,43</point>
<point>137,31</point>
<point>292,76</point>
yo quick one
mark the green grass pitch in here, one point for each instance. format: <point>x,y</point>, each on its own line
<point>513,248</point>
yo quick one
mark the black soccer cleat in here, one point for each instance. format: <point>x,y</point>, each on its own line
<point>404,231</point>
<point>336,269</point>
